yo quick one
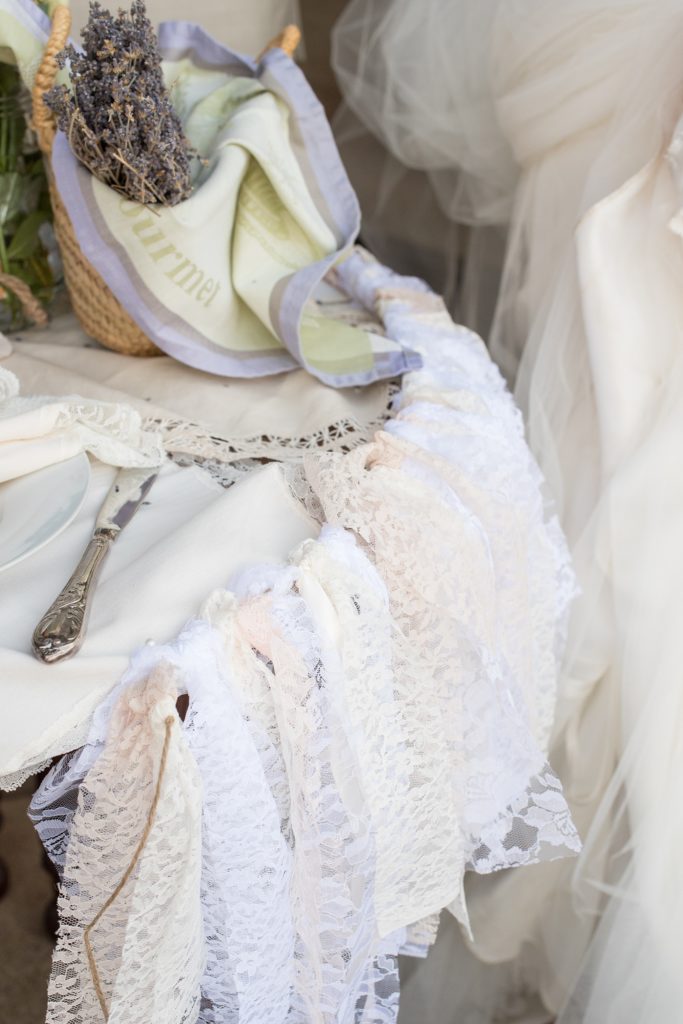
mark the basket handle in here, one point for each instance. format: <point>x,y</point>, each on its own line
<point>287,40</point>
<point>32,309</point>
<point>43,118</point>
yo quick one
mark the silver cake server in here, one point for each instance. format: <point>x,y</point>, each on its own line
<point>60,632</point>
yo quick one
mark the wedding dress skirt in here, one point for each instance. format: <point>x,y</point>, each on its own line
<point>576,152</point>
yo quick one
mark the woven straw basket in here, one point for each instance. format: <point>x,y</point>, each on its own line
<point>99,312</point>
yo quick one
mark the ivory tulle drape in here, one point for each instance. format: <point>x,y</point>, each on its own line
<point>575,151</point>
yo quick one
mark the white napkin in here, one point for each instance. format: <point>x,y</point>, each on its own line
<point>39,431</point>
<point>190,538</point>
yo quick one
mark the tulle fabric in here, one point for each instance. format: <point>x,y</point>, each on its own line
<point>628,973</point>
<point>448,106</point>
<point>419,135</point>
<point>599,379</point>
<point>588,323</point>
<point>430,119</point>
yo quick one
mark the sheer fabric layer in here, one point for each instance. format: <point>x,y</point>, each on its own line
<point>586,97</point>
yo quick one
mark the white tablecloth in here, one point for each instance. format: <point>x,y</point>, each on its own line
<point>191,537</point>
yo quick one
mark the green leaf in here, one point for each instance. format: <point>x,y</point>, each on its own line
<point>40,265</point>
<point>10,82</point>
<point>31,197</point>
<point>35,165</point>
<point>26,240</point>
<point>24,273</point>
<point>11,193</point>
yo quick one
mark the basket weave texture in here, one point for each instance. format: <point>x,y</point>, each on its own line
<point>100,314</point>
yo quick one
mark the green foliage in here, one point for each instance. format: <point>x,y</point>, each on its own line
<point>24,199</point>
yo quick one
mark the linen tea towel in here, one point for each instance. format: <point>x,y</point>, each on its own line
<point>223,281</point>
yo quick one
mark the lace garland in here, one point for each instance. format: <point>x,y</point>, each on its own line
<point>365,724</point>
<point>296,831</point>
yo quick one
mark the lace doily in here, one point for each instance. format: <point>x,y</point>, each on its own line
<point>227,461</point>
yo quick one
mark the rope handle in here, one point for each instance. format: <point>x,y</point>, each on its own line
<point>29,303</point>
<point>43,118</point>
<point>287,40</point>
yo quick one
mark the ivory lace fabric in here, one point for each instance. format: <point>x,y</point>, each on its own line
<point>367,721</point>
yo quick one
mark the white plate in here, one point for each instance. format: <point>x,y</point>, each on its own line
<point>36,507</point>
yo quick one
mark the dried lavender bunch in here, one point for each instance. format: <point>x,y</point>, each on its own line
<point>118,116</point>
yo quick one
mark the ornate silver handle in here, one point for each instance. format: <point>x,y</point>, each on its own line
<point>60,632</point>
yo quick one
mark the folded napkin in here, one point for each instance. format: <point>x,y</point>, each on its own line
<point>191,538</point>
<point>39,431</point>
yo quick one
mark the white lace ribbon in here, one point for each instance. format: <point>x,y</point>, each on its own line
<point>130,944</point>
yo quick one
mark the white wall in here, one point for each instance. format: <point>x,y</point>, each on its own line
<point>244,25</point>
